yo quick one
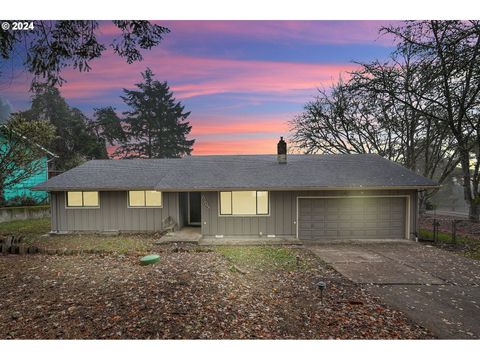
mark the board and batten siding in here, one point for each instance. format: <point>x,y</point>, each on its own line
<point>283,213</point>
<point>113,214</point>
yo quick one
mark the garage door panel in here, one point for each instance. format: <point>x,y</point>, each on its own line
<point>351,218</point>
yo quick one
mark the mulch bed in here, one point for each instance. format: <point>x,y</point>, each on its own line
<point>187,295</point>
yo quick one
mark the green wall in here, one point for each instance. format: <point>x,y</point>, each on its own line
<point>23,188</point>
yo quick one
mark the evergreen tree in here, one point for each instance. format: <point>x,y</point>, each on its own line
<point>156,125</point>
<point>108,126</point>
<point>75,139</point>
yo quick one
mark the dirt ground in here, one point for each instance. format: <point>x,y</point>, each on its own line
<point>189,294</point>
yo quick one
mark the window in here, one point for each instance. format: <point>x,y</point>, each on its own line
<point>82,199</point>
<point>149,198</point>
<point>262,202</point>
<point>244,203</point>
<point>225,203</point>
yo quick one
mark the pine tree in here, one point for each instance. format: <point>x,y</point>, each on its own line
<point>75,141</point>
<point>156,125</point>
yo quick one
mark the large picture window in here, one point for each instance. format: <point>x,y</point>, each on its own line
<point>80,199</point>
<point>141,198</point>
<point>244,203</point>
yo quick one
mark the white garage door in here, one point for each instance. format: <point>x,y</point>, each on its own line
<point>351,218</point>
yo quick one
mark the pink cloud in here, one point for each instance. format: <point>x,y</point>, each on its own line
<point>238,125</point>
<point>317,32</point>
<point>236,147</point>
<point>312,31</point>
<point>196,76</point>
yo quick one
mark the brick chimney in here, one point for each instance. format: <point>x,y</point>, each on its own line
<point>282,151</point>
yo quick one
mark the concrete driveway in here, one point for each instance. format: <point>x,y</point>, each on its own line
<point>438,289</point>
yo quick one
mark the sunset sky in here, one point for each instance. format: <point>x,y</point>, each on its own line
<point>241,80</point>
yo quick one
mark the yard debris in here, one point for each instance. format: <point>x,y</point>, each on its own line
<point>241,271</point>
<point>14,244</point>
<point>187,295</point>
<point>453,234</point>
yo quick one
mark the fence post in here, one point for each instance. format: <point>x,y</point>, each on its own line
<point>435,230</point>
<point>454,231</point>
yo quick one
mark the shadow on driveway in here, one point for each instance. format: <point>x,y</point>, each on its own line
<point>437,289</point>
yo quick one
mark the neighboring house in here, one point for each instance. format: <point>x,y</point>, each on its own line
<point>311,197</point>
<point>23,188</point>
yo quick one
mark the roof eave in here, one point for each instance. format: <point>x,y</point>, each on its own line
<point>309,188</point>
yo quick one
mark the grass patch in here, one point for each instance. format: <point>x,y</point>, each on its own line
<point>263,257</point>
<point>121,244</point>
<point>27,228</point>
<point>33,229</point>
<point>468,247</point>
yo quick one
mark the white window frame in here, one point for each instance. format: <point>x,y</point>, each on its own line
<point>244,215</point>
<point>81,207</point>
<point>144,197</point>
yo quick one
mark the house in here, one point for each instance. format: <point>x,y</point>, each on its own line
<point>310,197</point>
<point>23,189</point>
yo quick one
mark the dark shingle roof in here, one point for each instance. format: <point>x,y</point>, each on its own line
<point>239,172</point>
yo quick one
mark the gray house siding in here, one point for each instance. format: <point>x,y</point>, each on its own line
<point>283,213</point>
<point>113,214</point>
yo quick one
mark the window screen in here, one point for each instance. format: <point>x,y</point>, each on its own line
<point>226,203</point>
<point>82,199</point>
<point>262,202</point>
<point>90,198</point>
<point>153,198</point>
<point>74,198</point>
<point>149,198</point>
<point>244,203</point>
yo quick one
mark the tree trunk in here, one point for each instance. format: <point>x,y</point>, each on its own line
<point>473,211</point>
<point>467,187</point>
<point>422,203</point>
<point>2,199</point>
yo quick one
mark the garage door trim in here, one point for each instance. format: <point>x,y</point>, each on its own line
<point>407,206</point>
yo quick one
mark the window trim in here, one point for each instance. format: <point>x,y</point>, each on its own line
<point>144,200</point>
<point>244,215</point>
<point>81,207</point>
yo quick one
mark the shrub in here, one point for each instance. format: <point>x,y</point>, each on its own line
<point>430,205</point>
<point>21,201</point>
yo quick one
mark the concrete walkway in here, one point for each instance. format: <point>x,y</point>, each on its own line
<point>186,235</point>
<point>438,289</point>
<point>248,241</point>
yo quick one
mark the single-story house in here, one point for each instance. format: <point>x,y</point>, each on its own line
<point>310,197</point>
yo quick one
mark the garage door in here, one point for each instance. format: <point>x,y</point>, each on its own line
<point>351,218</point>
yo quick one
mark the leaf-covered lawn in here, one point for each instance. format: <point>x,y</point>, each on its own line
<point>121,244</point>
<point>34,233</point>
<point>191,293</point>
<point>464,245</point>
<point>28,228</point>
<point>260,257</point>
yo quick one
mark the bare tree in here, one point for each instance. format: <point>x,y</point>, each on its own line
<point>376,112</point>
<point>447,53</point>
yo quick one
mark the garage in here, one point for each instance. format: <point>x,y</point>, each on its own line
<point>351,218</point>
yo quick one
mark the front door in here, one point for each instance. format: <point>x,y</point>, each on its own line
<point>194,208</point>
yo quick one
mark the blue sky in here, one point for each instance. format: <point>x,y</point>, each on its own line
<point>241,80</point>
